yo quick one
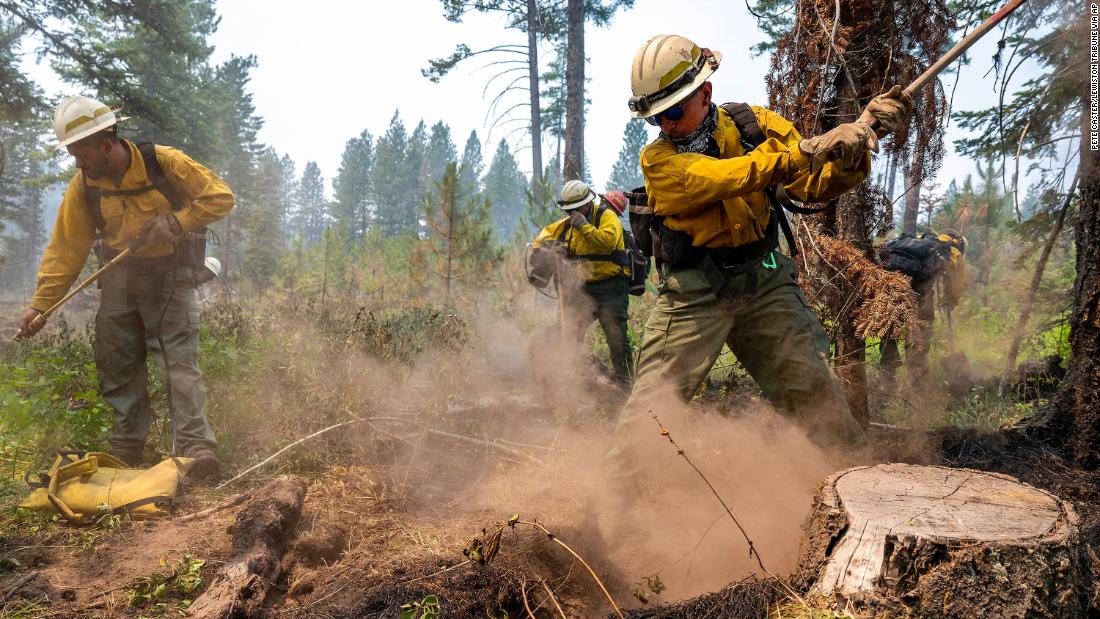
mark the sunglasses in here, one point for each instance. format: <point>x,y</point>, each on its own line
<point>673,113</point>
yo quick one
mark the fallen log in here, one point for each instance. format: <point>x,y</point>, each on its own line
<point>940,542</point>
<point>261,534</point>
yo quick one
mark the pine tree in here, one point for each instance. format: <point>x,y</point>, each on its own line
<point>505,187</point>
<point>459,244</point>
<point>263,227</point>
<point>553,111</point>
<point>388,180</point>
<point>626,174</point>
<point>415,175</point>
<point>352,186</point>
<point>471,165</point>
<point>310,216</point>
<point>573,158</point>
<point>288,188</point>
<point>22,207</point>
<point>160,68</point>
<point>441,151</point>
<point>542,207</point>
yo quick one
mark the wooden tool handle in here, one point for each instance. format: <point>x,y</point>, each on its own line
<point>41,318</point>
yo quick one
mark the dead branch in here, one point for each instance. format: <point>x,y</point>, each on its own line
<point>232,501</point>
<point>526,605</point>
<point>553,598</point>
<point>679,451</point>
<point>484,443</point>
<point>440,572</point>
<point>1019,149</point>
<point>285,449</point>
<point>24,579</point>
<point>513,522</point>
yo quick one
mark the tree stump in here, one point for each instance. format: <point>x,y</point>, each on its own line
<point>942,542</point>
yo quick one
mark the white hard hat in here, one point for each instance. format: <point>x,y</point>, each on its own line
<point>213,265</point>
<point>666,69</point>
<point>78,117</point>
<point>575,194</point>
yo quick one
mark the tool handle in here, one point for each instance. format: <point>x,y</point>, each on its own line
<point>41,318</point>
<point>951,56</point>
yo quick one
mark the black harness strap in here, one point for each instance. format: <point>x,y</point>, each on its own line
<point>158,181</point>
<point>158,178</point>
<point>751,137</point>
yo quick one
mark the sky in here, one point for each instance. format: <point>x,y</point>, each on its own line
<point>331,69</point>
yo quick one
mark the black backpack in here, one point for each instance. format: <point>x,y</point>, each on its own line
<point>920,257</point>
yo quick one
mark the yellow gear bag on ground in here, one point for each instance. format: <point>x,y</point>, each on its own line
<point>83,486</point>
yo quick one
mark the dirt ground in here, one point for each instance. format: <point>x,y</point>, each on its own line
<point>390,532</point>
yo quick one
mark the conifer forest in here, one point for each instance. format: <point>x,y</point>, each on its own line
<point>550,308</point>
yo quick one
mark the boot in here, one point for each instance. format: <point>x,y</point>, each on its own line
<point>206,463</point>
<point>133,457</point>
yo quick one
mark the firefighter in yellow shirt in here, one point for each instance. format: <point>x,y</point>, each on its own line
<point>123,192</point>
<point>594,272</point>
<point>709,177</point>
<point>928,260</point>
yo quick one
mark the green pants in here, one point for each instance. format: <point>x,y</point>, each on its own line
<point>916,345</point>
<point>763,317</point>
<point>137,311</point>
<point>606,301</point>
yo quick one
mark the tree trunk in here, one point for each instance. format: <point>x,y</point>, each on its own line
<point>912,205</point>
<point>891,177</point>
<point>932,541</point>
<point>1033,288</point>
<point>851,353</point>
<point>533,86</point>
<point>261,534</point>
<point>1073,416</point>
<point>573,167</point>
<point>852,225</point>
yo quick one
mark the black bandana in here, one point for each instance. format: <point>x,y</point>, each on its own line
<point>699,141</point>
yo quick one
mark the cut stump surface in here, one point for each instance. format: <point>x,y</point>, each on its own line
<point>945,540</point>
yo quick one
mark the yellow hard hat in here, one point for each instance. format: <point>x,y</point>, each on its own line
<point>666,69</point>
<point>575,194</point>
<point>78,117</point>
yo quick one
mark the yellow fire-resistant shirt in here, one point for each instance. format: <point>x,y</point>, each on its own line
<point>206,199</point>
<point>589,240</point>
<point>721,202</point>
<point>955,278</point>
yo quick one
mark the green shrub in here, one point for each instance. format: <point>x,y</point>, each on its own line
<point>49,395</point>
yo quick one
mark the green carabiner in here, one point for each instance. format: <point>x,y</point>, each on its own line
<point>769,262</point>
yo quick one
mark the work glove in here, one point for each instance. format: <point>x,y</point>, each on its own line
<point>890,110</point>
<point>577,220</point>
<point>845,145</point>
<point>29,325</point>
<point>161,229</point>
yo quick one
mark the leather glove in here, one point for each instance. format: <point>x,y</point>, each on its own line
<point>890,109</point>
<point>845,145</point>
<point>161,229</point>
<point>577,220</point>
<point>29,325</point>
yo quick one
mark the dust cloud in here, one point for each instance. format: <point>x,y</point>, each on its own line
<point>517,421</point>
